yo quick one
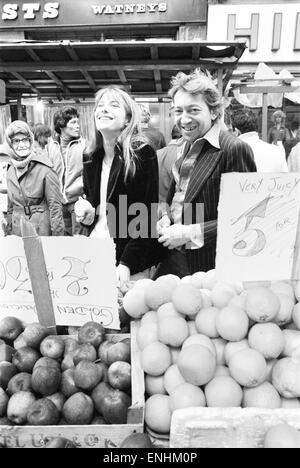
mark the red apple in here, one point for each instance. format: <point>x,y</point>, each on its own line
<point>115,405</point>
<point>19,382</point>
<point>43,413</point>
<point>52,346</point>
<point>103,349</point>
<point>6,353</point>
<point>91,332</point>
<point>46,377</point>
<point>78,409</point>
<point>58,399</point>
<point>98,394</point>
<point>3,402</point>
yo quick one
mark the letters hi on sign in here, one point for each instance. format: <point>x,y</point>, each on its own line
<point>257,227</point>
<point>81,276</point>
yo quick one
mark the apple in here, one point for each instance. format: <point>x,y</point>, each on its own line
<point>91,332</point>
<point>119,375</point>
<point>52,346</point>
<point>10,328</point>
<point>18,406</point>
<point>25,359</point>
<point>103,349</point>
<point>114,406</point>
<point>67,385</point>
<point>58,399</point>
<point>70,346</point>
<point>118,352</point>
<point>3,402</point>
<point>7,371</point>
<point>43,413</point>
<point>47,362</point>
<point>6,353</point>
<point>98,394</point>
<point>19,382</point>
<point>84,352</point>
<point>87,375</point>
<point>46,377</point>
<point>78,409</point>
<point>34,334</point>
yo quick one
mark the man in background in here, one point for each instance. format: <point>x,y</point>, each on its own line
<point>268,158</point>
<point>155,137</point>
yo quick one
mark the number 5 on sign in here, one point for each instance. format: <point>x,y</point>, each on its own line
<point>257,226</point>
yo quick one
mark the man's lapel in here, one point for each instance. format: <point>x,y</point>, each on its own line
<point>204,166</point>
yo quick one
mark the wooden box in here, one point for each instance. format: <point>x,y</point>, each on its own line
<point>93,436</point>
<point>227,427</point>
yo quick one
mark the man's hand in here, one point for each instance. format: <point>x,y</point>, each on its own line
<point>123,276</point>
<point>162,224</point>
<point>175,236</point>
<point>84,211</point>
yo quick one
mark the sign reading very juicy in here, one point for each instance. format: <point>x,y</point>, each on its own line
<point>258,218</point>
<point>90,12</point>
<point>82,279</point>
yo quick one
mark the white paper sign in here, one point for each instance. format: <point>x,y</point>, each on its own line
<point>82,280</point>
<point>257,226</point>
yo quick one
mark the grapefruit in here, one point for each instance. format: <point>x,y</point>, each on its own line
<point>187,395</point>
<point>232,323</point>
<point>172,379</point>
<point>262,304</point>
<point>157,293</point>
<point>262,396</point>
<point>156,358</point>
<point>187,300</point>
<point>134,303</point>
<point>248,367</point>
<point>223,392</point>
<point>172,331</point>
<point>197,364</point>
<point>268,339</point>
<point>158,413</point>
<point>205,322</point>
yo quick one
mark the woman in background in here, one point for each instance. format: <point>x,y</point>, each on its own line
<point>119,166</point>
<point>278,134</point>
<point>32,185</point>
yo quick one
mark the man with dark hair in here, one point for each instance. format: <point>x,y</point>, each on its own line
<point>66,154</point>
<point>268,158</point>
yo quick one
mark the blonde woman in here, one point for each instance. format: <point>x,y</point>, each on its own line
<point>120,171</point>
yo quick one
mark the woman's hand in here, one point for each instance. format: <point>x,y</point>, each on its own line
<point>123,276</point>
<point>84,211</point>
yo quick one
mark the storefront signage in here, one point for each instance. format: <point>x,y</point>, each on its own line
<point>257,235</point>
<point>272,31</point>
<point>93,12</point>
<point>81,275</point>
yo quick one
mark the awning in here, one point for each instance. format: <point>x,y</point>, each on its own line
<point>70,69</point>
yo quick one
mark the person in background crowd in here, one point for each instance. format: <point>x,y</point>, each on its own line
<point>166,158</point>
<point>120,163</point>
<point>278,134</point>
<point>32,186</point>
<point>293,138</point>
<point>66,154</point>
<point>42,133</point>
<point>268,158</point>
<point>189,229</point>
<point>155,137</point>
<point>294,159</point>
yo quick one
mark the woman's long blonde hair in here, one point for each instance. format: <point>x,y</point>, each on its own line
<point>131,138</point>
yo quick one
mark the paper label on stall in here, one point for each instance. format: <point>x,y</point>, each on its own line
<point>258,217</point>
<point>82,279</point>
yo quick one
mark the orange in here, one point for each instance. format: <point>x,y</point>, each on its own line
<point>158,413</point>
<point>233,347</point>
<point>281,436</point>
<point>205,322</point>
<point>147,334</point>
<point>285,313</point>
<point>197,364</point>
<point>262,304</point>
<point>155,385</point>
<point>232,323</point>
<point>221,295</point>
<point>248,367</point>
<point>187,395</point>
<point>134,303</point>
<point>158,293</point>
<point>286,377</point>
<point>201,340</point>
<point>187,300</point>
<point>167,310</point>
<point>262,396</point>
<point>172,378</point>
<point>223,392</point>
<point>149,317</point>
<point>268,339</point>
<point>173,331</point>
<point>156,358</point>
<point>220,349</point>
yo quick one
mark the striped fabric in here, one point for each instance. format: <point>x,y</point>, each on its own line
<point>204,190</point>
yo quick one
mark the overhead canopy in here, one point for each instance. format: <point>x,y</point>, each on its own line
<point>71,69</point>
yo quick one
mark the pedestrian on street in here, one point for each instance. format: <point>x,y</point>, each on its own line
<point>32,185</point>
<point>189,229</point>
<point>119,166</point>
<point>66,154</point>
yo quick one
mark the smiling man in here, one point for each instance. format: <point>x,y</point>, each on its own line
<point>189,227</point>
<point>66,154</point>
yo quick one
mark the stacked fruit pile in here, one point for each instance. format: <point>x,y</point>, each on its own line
<point>49,379</point>
<point>206,343</point>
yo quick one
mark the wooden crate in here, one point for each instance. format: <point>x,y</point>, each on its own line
<point>227,427</point>
<point>92,436</point>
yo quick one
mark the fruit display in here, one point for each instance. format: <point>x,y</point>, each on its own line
<point>209,344</point>
<point>49,380</point>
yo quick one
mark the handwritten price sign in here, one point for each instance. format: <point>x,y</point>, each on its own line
<point>82,279</point>
<point>257,227</point>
